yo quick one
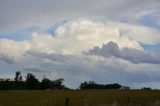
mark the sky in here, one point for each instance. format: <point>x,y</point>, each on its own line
<point>107,41</point>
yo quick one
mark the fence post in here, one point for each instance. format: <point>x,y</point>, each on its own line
<point>128,99</point>
<point>67,101</point>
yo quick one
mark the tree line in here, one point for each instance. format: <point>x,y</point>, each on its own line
<point>32,83</point>
<point>93,85</point>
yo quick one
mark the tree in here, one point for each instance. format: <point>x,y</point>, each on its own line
<point>112,86</point>
<point>45,84</point>
<point>18,76</point>
<point>18,83</point>
<point>32,82</point>
<point>58,84</point>
<point>146,88</point>
<point>88,85</point>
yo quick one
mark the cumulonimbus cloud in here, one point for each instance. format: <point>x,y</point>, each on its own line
<point>76,36</point>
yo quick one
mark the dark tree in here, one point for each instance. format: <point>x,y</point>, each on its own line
<point>88,85</point>
<point>58,84</point>
<point>93,85</point>
<point>146,88</point>
<point>32,82</point>
<point>46,84</point>
<point>18,76</point>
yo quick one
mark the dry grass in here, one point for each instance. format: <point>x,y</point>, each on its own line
<point>80,98</point>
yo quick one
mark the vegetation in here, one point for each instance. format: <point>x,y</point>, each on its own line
<point>31,83</point>
<point>93,85</point>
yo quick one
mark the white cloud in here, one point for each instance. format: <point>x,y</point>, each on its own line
<point>86,34</point>
<point>143,34</point>
<point>71,38</point>
<point>80,35</point>
<point>12,50</point>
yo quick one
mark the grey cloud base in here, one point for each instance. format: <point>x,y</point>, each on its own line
<point>76,69</point>
<point>132,55</point>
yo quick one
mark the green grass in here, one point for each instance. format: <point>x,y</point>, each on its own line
<point>80,98</point>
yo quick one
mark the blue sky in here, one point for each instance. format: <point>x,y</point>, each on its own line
<point>151,20</point>
<point>77,42</point>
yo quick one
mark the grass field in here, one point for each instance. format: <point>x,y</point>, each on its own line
<point>80,98</point>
